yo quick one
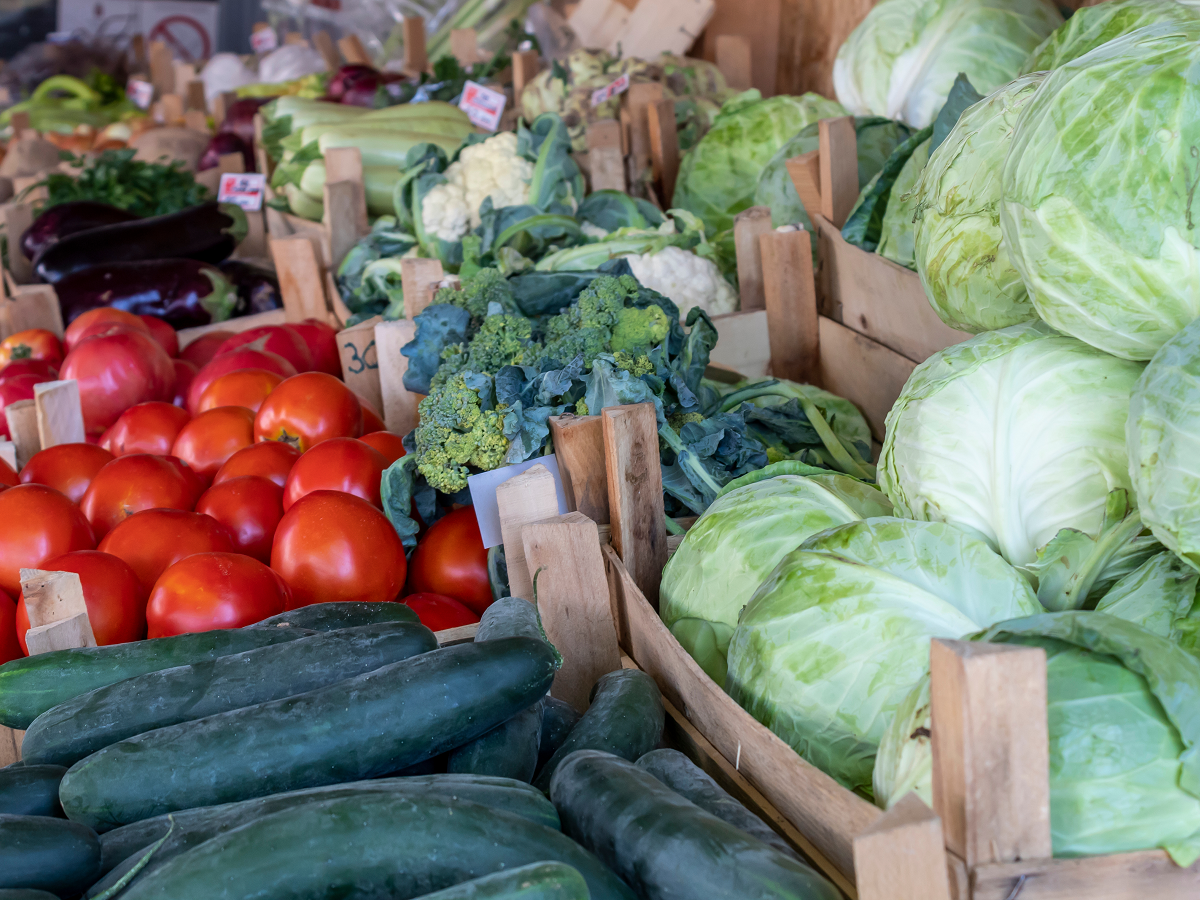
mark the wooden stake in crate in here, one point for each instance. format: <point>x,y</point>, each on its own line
<point>902,856</point>
<point>17,219</point>
<point>733,59</point>
<point>221,104</point>
<point>345,202</point>
<point>8,453</point>
<point>605,156</point>
<point>324,45</point>
<point>839,170</point>
<point>23,429</point>
<point>162,69</point>
<point>464,46</point>
<point>637,99</point>
<point>579,446</point>
<point>59,414</point>
<point>194,98</point>
<point>416,61</point>
<point>419,279</point>
<point>664,147</point>
<point>524,498</point>
<point>788,290</point>
<point>31,306</point>
<point>58,615</point>
<point>353,50</point>
<point>300,281</point>
<point>748,226</point>
<point>525,65</point>
<point>360,362</point>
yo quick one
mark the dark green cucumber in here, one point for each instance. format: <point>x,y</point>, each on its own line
<point>332,616</point>
<point>123,847</point>
<point>30,790</point>
<point>25,894</point>
<point>377,845</point>
<point>30,686</point>
<point>667,847</point>
<point>540,881</point>
<point>359,728</point>
<point>558,718</point>
<point>625,718</point>
<point>90,722</point>
<point>48,854</point>
<point>511,749</point>
<point>688,780</point>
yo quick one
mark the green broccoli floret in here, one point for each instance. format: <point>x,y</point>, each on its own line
<point>500,341</point>
<point>640,329</point>
<point>477,291</point>
<point>600,322</point>
<point>455,431</point>
<point>581,407</point>
<point>635,365</point>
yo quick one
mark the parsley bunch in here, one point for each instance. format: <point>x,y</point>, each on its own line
<point>115,177</point>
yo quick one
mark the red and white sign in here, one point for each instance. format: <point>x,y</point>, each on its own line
<point>264,40</point>
<point>188,27</point>
<point>140,92</point>
<point>483,106</point>
<point>245,189</point>
<point>620,86</point>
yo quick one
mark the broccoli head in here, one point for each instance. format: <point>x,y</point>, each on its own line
<point>501,340</point>
<point>601,321</point>
<point>477,291</point>
<point>459,428</point>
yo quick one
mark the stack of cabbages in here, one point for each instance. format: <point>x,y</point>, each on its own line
<point>1040,482</point>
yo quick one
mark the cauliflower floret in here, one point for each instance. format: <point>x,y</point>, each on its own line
<point>445,213</point>
<point>687,279</point>
<point>491,169</point>
<point>593,231</point>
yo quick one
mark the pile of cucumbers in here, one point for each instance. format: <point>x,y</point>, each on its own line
<point>338,751</point>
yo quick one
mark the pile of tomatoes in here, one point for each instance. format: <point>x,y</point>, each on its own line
<point>220,484</point>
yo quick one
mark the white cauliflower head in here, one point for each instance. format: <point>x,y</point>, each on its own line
<point>445,213</point>
<point>687,279</point>
<point>492,169</point>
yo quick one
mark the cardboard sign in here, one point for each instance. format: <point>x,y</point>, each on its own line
<point>483,495</point>
<point>483,106</point>
<point>264,40</point>
<point>246,189</point>
<point>620,86</point>
<point>140,92</point>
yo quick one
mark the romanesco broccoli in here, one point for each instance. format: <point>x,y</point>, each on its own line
<point>601,322</point>
<point>456,430</point>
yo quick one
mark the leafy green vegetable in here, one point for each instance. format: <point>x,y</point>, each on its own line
<point>962,97</point>
<point>1092,26</point>
<point>116,178</point>
<point>897,232</point>
<point>368,279</point>
<point>864,225</point>
<point>1161,597</point>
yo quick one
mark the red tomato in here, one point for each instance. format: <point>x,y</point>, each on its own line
<point>438,612</point>
<point>390,445</point>
<point>307,409</point>
<point>201,351</point>
<point>243,387</point>
<point>145,428</point>
<point>213,590</point>
<point>272,339</point>
<point>115,599</point>
<point>29,367</point>
<point>163,333</point>
<point>11,647</point>
<point>32,343</point>
<point>198,483</point>
<point>371,419</point>
<point>130,484</point>
<point>88,323</point>
<point>37,523</point>
<point>250,507</point>
<point>117,370</point>
<point>14,390</point>
<point>185,374</point>
<point>450,560</point>
<point>206,442</point>
<point>243,358</point>
<point>339,464</point>
<point>321,339</point>
<point>272,460</point>
<point>154,539</point>
<point>8,475</point>
<point>68,468</point>
<point>332,547</point>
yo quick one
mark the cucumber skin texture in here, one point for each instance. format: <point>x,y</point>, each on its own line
<point>666,847</point>
<point>510,617</point>
<point>47,854</point>
<point>558,718</point>
<point>332,616</point>
<point>90,722</point>
<point>692,783</point>
<point>24,894</point>
<point>625,718</point>
<point>363,727</point>
<point>540,881</point>
<point>510,750</point>
<point>384,847</point>
<point>120,851</point>
<point>31,791</point>
<point>30,686</point>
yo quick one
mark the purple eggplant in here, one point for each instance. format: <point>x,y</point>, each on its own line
<point>184,292</point>
<point>221,143</point>
<point>239,118</point>
<point>69,218</point>
<point>207,232</point>
<point>257,288</point>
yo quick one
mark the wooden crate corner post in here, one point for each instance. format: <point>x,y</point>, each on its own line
<point>360,361</point>
<point>527,497</point>
<point>839,168</point>
<point>419,279</point>
<point>17,219</point>
<point>664,147</point>
<point>525,66</point>
<point>58,615</point>
<point>59,413</point>
<point>902,855</point>
<point>748,226</point>
<point>345,202</point>
<point>298,264</point>
<point>23,429</point>
<point>579,447</point>
<point>789,293</point>
<point>416,59</point>
<point>606,159</point>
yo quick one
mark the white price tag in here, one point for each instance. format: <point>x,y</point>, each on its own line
<point>483,106</point>
<point>483,494</point>
<point>140,92</point>
<point>264,40</point>
<point>620,86</point>
<point>245,189</point>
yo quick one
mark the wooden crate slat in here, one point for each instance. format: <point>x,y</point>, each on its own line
<point>863,371</point>
<point>1149,874</point>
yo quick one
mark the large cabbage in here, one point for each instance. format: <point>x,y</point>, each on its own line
<point>1161,597</point>
<point>1092,26</point>
<point>1163,439</point>
<point>1099,192</point>
<point>1122,708</point>
<point>1013,434</point>
<point>738,541</point>
<point>718,176</point>
<point>960,253</point>
<point>838,635</point>
<point>902,59</point>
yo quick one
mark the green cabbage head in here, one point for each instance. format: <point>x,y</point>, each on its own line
<point>1163,439</point>
<point>1099,196</point>
<point>1092,26</point>
<point>1013,434</point>
<point>902,59</point>
<point>837,636</point>
<point>960,252</point>
<point>718,176</point>
<point>1160,595</point>
<point>738,541</point>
